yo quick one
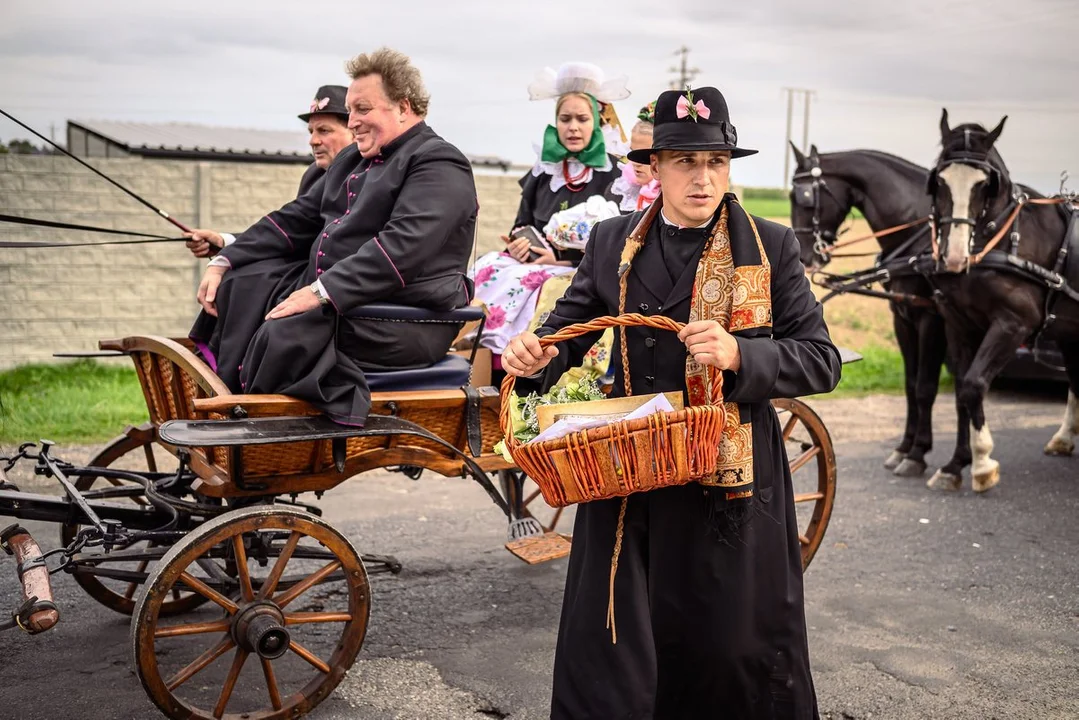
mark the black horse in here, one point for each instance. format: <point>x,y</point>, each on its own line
<point>890,192</point>
<point>995,298</point>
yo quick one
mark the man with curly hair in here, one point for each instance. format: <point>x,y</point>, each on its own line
<point>393,222</point>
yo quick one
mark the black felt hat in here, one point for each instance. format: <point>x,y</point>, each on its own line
<point>695,119</point>
<point>329,100</point>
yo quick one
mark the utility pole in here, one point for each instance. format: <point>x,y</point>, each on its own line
<point>806,95</point>
<point>685,73</point>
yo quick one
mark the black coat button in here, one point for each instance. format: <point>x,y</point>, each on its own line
<point>670,232</point>
<point>650,342</point>
<point>650,379</point>
<point>643,307</point>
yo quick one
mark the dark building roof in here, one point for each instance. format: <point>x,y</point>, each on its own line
<point>190,141</point>
<point>197,142</point>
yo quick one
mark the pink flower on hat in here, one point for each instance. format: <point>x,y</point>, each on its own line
<point>683,108</point>
<point>317,104</point>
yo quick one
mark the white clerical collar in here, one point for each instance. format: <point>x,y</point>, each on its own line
<point>663,217</point>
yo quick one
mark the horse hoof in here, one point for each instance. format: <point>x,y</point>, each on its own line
<point>986,480</point>
<point>893,460</point>
<point>1060,447</point>
<point>910,468</point>
<point>944,481</point>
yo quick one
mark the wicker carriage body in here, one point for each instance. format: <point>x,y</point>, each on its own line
<point>625,457</point>
<point>178,385</point>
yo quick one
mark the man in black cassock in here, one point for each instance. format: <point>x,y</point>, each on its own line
<point>327,126</point>
<point>392,221</point>
<point>707,599</point>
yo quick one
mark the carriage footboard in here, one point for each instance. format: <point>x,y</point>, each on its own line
<point>269,430</point>
<point>37,612</point>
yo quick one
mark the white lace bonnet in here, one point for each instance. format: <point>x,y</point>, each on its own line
<point>578,77</point>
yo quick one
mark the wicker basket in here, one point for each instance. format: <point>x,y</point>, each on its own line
<point>625,457</point>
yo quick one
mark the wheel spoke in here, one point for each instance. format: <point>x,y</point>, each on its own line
<point>301,618</point>
<point>530,498</point>
<point>308,656</point>
<point>241,567</point>
<point>200,662</point>
<point>554,520</point>
<point>151,461</point>
<point>307,583</point>
<point>279,567</point>
<point>230,682</point>
<point>271,683</point>
<point>805,457</point>
<point>207,592</point>
<point>789,427</point>
<point>132,587</point>
<point>808,497</point>
<point>192,629</point>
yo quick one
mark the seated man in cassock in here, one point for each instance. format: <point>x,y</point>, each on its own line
<point>393,223</point>
<point>707,599</point>
<point>328,134</point>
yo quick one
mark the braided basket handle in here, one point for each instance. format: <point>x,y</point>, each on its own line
<point>569,332</point>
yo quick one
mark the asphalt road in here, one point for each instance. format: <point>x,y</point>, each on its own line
<point>919,604</point>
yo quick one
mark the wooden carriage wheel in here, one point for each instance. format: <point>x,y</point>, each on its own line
<point>134,451</point>
<point>269,635</point>
<point>813,471</point>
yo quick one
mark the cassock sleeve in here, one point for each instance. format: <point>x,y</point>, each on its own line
<point>799,358</point>
<point>580,303</point>
<point>282,233</point>
<point>436,197</point>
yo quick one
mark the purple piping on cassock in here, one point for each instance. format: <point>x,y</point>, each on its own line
<point>390,261</point>
<point>206,353</point>
<point>290,246</point>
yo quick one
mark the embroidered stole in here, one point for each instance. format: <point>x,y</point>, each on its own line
<point>733,287</point>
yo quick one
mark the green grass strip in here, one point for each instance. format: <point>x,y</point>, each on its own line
<point>77,402</point>
<point>879,371</point>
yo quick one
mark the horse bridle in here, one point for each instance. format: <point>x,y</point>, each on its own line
<point>806,187</point>
<point>971,158</point>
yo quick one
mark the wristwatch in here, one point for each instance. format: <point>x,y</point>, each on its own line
<point>317,290</point>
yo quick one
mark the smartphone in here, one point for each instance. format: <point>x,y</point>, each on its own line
<point>534,239</point>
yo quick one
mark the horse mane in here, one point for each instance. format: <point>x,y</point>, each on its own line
<point>899,164</point>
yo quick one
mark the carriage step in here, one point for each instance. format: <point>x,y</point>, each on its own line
<point>540,548</point>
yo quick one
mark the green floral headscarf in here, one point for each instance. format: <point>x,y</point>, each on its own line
<point>594,154</point>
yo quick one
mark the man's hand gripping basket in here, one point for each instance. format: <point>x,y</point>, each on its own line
<point>625,457</point>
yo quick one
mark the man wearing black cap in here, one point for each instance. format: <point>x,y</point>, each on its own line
<point>701,583</point>
<point>327,126</point>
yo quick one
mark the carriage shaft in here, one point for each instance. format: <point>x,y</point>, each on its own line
<point>49,508</point>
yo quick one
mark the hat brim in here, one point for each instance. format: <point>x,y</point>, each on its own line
<point>307,116</point>
<point>644,155</point>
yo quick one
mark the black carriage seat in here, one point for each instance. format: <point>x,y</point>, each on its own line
<point>453,371</point>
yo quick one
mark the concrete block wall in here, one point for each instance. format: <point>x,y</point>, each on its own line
<point>66,299</point>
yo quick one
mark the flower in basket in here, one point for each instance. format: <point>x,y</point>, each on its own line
<point>524,421</point>
<point>569,229</point>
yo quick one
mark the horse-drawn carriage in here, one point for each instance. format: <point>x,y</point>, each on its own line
<point>197,525</point>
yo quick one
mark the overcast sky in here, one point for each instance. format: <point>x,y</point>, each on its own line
<point>881,69</point>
